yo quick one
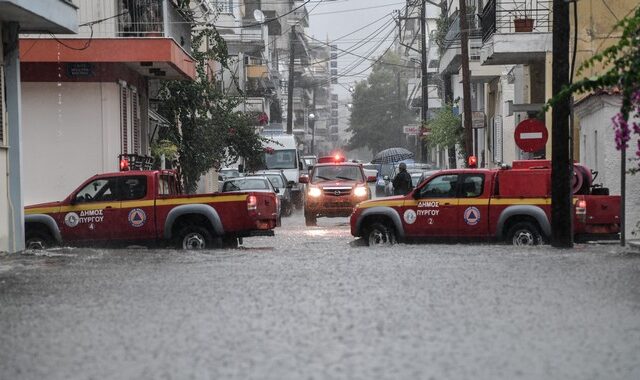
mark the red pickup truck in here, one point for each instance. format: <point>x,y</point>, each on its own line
<point>512,204</point>
<point>147,206</point>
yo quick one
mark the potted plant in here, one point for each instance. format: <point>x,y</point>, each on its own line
<point>523,22</point>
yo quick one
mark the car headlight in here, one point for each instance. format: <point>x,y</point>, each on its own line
<point>314,192</point>
<point>360,191</point>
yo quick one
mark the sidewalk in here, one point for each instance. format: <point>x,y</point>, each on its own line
<point>635,243</point>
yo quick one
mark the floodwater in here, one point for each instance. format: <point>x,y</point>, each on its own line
<point>309,303</point>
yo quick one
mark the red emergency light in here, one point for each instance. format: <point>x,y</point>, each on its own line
<point>473,162</point>
<point>331,159</point>
<point>124,165</point>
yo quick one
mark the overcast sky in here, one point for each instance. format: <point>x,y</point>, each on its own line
<point>333,19</point>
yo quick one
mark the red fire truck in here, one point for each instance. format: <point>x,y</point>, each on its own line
<point>511,203</point>
<point>148,206</point>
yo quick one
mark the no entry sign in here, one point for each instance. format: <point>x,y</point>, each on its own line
<point>531,135</point>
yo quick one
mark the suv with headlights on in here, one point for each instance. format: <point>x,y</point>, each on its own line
<point>334,188</point>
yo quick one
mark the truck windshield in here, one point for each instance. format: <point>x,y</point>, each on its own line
<point>281,159</point>
<point>330,173</point>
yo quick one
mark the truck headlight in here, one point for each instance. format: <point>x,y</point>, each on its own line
<point>360,191</point>
<point>314,192</point>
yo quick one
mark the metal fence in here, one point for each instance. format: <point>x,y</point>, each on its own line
<point>502,16</point>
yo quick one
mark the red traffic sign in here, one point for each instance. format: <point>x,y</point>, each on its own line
<point>531,135</point>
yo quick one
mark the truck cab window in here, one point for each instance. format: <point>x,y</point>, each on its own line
<point>100,190</point>
<point>134,188</point>
<point>444,186</point>
<point>472,186</point>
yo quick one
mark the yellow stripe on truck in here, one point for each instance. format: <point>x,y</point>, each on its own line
<point>133,204</point>
<point>462,202</point>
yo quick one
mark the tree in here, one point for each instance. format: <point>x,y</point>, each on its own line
<point>378,111</point>
<point>206,129</point>
<point>446,128</point>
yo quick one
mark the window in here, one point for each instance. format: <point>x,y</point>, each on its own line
<point>167,185</point>
<point>330,173</point>
<point>133,188</point>
<point>276,181</point>
<point>100,190</point>
<point>281,159</point>
<point>443,186</point>
<point>472,186</point>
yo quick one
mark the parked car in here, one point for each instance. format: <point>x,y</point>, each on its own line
<point>254,184</point>
<point>280,183</point>
<point>227,173</point>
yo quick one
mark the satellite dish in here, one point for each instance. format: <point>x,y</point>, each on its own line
<point>258,15</point>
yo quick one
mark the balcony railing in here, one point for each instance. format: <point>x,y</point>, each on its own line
<point>136,18</point>
<point>498,17</point>
<point>452,39</point>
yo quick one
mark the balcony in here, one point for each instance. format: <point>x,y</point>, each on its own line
<point>452,55</point>
<point>144,18</point>
<point>257,71</point>
<point>515,31</point>
<point>245,40</point>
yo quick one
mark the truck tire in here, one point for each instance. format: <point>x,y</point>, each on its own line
<point>379,234</point>
<point>38,240</point>
<point>287,208</point>
<point>310,220</point>
<point>193,237</point>
<point>524,234</point>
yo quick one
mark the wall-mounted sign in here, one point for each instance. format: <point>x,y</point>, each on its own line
<point>412,129</point>
<point>477,119</point>
<point>80,70</point>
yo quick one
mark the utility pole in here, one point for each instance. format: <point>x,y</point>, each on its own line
<point>424,74</point>
<point>292,53</point>
<point>466,79</point>
<point>561,215</point>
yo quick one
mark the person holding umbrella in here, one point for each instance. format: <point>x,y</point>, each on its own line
<point>402,181</point>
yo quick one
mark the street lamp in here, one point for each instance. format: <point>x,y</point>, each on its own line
<point>312,121</point>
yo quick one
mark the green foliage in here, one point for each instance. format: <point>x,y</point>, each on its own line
<point>446,128</point>
<point>206,130</point>
<point>442,27</point>
<point>163,147</point>
<point>379,111</point>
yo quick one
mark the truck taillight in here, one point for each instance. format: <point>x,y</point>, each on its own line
<point>252,203</point>
<point>581,210</point>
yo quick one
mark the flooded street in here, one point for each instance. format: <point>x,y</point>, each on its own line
<point>311,304</point>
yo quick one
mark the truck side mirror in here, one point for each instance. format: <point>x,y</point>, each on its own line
<point>290,184</point>
<point>304,179</point>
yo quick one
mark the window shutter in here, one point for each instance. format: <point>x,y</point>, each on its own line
<point>136,122</point>
<point>124,135</point>
<point>498,139</point>
<point>3,110</point>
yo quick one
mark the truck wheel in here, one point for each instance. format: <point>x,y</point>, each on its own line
<point>287,208</point>
<point>310,220</point>
<point>524,234</point>
<point>379,234</point>
<point>38,240</point>
<point>194,238</point>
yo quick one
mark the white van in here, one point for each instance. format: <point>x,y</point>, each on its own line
<point>282,154</point>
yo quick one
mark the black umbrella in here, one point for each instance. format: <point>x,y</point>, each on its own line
<point>392,155</point>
